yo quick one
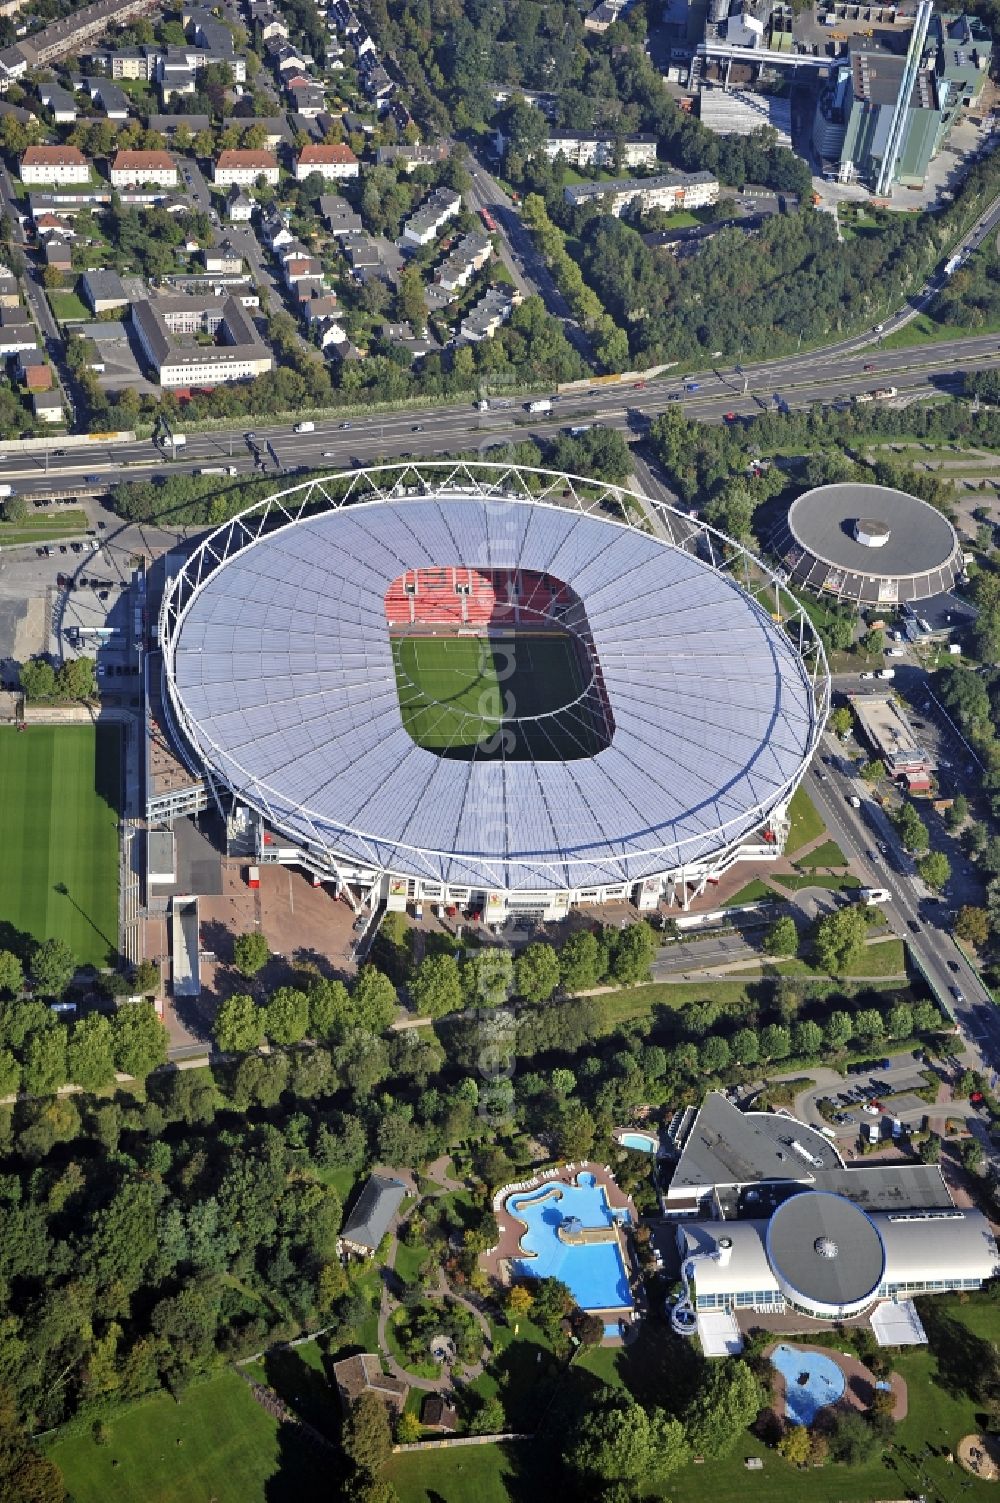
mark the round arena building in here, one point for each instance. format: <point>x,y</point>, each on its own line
<point>868,544</point>
<point>504,689</point>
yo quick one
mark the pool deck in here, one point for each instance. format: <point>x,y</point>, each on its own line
<point>860,1389</point>
<point>497,1261</point>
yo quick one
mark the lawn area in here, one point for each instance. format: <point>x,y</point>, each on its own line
<point>795,880</point>
<point>754,892</point>
<point>45,527</point>
<point>408,1261</point>
<point>827,854</point>
<point>926,330</point>
<point>470,1472</point>
<point>640,1001</point>
<point>887,958</point>
<point>60,791</point>
<point>806,824</point>
<point>216,1443</point>
<point>68,308</point>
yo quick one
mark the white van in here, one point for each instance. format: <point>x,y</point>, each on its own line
<point>304,428</point>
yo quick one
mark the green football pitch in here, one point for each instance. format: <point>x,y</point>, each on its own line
<point>59,796</point>
<point>461,696</point>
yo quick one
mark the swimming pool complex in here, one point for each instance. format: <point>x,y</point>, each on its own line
<point>812,1381</point>
<point>594,1272</point>
<point>641,1142</point>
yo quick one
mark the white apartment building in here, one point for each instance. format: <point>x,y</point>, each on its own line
<point>335,162</point>
<point>133,169</point>
<point>243,168</point>
<point>668,190</point>
<point>53,164</point>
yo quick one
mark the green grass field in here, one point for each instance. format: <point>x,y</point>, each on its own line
<point>60,793</point>
<point>460,696</point>
<point>216,1443</point>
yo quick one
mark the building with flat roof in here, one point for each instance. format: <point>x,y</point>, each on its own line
<point>771,1220</point>
<point>668,190</point>
<point>869,544</point>
<point>431,217</point>
<point>885,726</point>
<point>166,330</point>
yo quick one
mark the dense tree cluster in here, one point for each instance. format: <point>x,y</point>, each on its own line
<point>42,682</point>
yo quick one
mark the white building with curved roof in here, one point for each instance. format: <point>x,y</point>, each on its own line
<point>278,653</point>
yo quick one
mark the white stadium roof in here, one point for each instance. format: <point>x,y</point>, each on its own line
<point>280,671</point>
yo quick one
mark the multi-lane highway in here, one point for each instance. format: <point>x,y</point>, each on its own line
<point>819,376</point>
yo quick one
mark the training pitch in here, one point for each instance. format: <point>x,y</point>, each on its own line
<point>482,696</point>
<point>60,795</point>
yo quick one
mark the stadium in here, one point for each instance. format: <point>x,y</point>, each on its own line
<point>868,544</point>
<point>500,688</point>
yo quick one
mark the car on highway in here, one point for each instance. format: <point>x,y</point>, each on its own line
<point>730,417</point>
<point>250,436</point>
<point>869,368</point>
<point>94,480</point>
<point>344,425</point>
<point>417,428</point>
<point>957,993</point>
<point>329,454</point>
<point>954,967</point>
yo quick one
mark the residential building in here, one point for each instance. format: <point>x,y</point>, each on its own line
<point>10,296</point>
<point>128,62</point>
<point>668,190</point>
<point>16,336</point>
<point>438,1414</point>
<point>103,291</point>
<point>130,169</point>
<point>59,102</point>
<point>224,258</point>
<point>58,254</point>
<point>771,1220</point>
<point>274,230</point>
<point>492,310</point>
<point>431,217</point>
<point>108,98</point>
<point>48,406</point>
<point>336,162</point>
<point>34,370</point>
<point>603,149</point>
<point>461,264</point>
<point>239,207</point>
<point>308,99</point>
<point>183,60</point>
<point>363,255</point>
<point>338,214</point>
<point>408,158</point>
<point>53,164</point>
<point>69,35</point>
<point>166,329</point>
<point>243,168</point>
<point>363,1374</point>
<point>373,1214</point>
<point>323,305</point>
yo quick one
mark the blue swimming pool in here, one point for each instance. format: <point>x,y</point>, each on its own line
<point>812,1381</point>
<point>642,1142</point>
<point>594,1273</point>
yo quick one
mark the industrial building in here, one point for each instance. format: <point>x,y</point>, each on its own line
<point>884,724</point>
<point>868,544</point>
<point>771,1221</point>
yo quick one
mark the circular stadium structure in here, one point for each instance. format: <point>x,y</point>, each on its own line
<point>485,685</point>
<point>868,544</point>
<point>826,1255</point>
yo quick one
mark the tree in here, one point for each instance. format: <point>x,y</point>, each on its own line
<point>868,1025</point>
<point>366,1438</point>
<point>873,771</point>
<point>796,1446</point>
<point>536,972</point>
<point>410,304</point>
<point>807,1038</point>
<point>239,1025</point>
<point>15,511</point>
<point>873,642</point>
<point>373,1000</point>
<point>45,1061</point>
<point>488,977</point>
<point>408,1429</point>
<point>958,813</point>
<point>901,1021</point>
<point>838,1030</point>
<point>11,974</point>
<point>775,1042</point>
<point>251,953</point>
<point>580,962</point>
<point>934,869</point>
<point>782,938</point>
<point>714,1055</point>
<point>436,988</point>
<point>726,1404</point>
<point>38,679</point>
<point>519,1302</point>
<point>972,925</point>
<point>90,1061</point>
<point>911,828</point>
<point>930,1149</point>
<point>147,978</point>
<point>286,1016</point>
<point>615,1440</point>
<point>841,721</point>
<point>489,1418</point>
<point>52,967</point>
<point>633,953</point>
<point>77,679</point>
<point>745,1046</point>
<point>839,939</point>
<point>140,1039</point>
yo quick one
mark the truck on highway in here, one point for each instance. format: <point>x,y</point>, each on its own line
<point>174,440</point>
<point>874,895</point>
<point>304,428</point>
<point>542,405</point>
<point>218,469</point>
<point>6,491</point>
<point>580,428</point>
<point>482,405</point>
<point>886,673</point>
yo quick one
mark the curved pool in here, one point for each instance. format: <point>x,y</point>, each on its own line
<point>812,1381</point>
<point>594,1271</point>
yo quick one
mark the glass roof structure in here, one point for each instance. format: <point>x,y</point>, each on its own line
<point>280,674</point>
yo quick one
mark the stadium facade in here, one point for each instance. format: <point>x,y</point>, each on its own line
<point>868,544</point>
<point>669,747</point>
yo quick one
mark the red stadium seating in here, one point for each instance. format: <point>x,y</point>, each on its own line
<point>461,598</point>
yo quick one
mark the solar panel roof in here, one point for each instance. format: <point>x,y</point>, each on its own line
<point>284,674</point>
